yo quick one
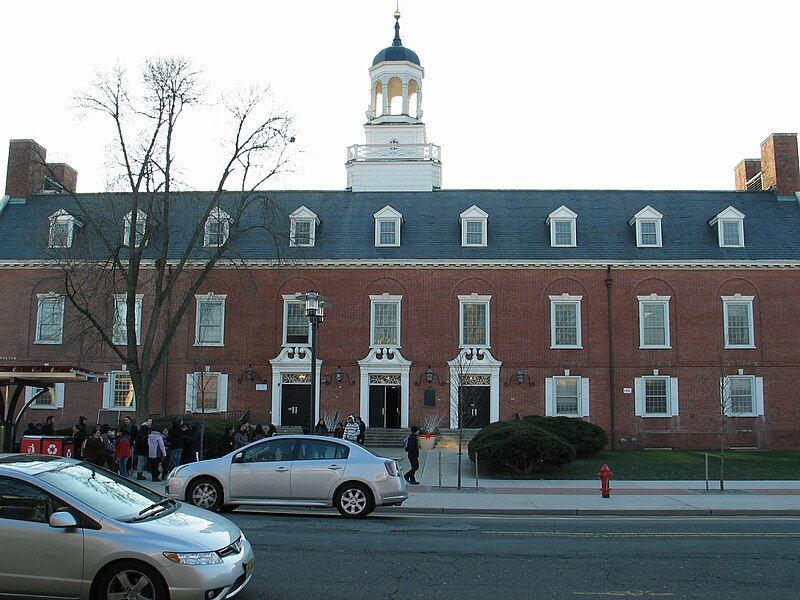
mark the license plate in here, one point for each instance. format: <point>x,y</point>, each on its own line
<point>248,568</point>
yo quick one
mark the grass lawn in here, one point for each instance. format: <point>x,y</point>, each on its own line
<point>681,464</point>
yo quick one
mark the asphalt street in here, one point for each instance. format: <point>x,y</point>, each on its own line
<point>317,554</point>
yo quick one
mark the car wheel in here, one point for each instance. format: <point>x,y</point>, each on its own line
<point>354,501</point>
<point>206,493</point>
<point>132,579</point>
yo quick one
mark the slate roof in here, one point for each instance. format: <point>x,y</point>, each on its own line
<point>431,228</point>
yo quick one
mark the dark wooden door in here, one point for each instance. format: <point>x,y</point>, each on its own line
<point>393,407</point>
<point>377,408</point>
<point>295,404</point>
<point>476,403</point>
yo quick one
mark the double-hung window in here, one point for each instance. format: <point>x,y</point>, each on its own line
<point>302,228</point>
<point>567,395</point>
<point>743,395</point>
<point>474,224</point>
<point>563,230</point>
<point>206,392</point>
<point>50,319</point>
<point>296,326</point>
<point>119,334</point>
<point>656,395</point>
<point>654,321</point>
<point>210,320</point>
<point>52,398</point>
<point>474,311</point>
<point>118,391</point>
<point>387,227</point>
<point>737,313</point>
<point>648,227</point>
<point>217,228</point>
<point>62,229</point>
<point>565,321</point>
<point>730,228</point>
<point>385,320</point>
<point>141,227</point>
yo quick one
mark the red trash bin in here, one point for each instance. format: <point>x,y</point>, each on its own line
<point>69,447</point>
<point>52,445</point>
<point>31,444</point>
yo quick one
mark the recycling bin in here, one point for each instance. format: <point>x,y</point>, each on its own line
<point>52,445</point>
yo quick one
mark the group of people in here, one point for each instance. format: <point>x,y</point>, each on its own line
<point>128,448</point>
<point>354,431</point>
<point>235,438</point>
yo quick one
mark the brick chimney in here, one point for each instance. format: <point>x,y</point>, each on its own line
<point>745,171</point>
<point>29,173</point>
<point>779,164</point>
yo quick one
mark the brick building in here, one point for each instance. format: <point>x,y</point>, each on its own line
<point>631,309</point>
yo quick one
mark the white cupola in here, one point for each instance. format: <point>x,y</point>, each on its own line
<point>396,155</point>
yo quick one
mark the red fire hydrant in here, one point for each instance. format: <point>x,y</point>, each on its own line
<point>605,475</point>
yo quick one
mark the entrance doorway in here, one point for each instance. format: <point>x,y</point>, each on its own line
<point>384,406</point>
<point>295,404</point>
<point>475,403</point>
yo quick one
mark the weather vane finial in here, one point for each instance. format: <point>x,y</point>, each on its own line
<point>396,41</point>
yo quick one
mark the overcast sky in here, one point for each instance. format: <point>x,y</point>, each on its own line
<point>625,94</point>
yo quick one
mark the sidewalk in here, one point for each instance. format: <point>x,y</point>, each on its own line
<point>560,497</point>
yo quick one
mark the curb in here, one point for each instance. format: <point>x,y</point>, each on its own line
<point>580,512</point>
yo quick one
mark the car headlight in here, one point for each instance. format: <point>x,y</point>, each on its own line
<point>194,558</point>
<point>174,471</point>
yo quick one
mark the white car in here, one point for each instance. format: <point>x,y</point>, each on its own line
<point>69,529</point>
<point>293,470</point>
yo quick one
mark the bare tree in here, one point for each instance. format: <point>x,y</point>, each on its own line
<point>461,403</point>
<point>142,255</point>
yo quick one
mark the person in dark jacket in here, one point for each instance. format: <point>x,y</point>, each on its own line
<point>175,443</point>
<point>49,426</point>
<point>94,450</point>
<point>412,448</point>
<point>241,439</point>
<point>29,429</point>
<point>141,449</point>
<point>362,430</point>
<point>271,430</point>
<point>227,443</point>
<point>259,433</point>
<point>321,428</point>
<point>79,437</point>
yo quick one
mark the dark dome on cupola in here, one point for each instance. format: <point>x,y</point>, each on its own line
<point>396,52</point>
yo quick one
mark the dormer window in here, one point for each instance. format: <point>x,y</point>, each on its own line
<point>303,227</point>
<point>387,227</point>
<point>648,227</point>
<point>141,226</point>
<point>730,228</point>
<point>563,231</point>
<point>474,227</point>
<point>62,229</point>
<point>217,228</point>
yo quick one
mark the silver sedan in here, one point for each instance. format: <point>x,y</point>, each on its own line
<point>72,530</point>
<point>293,470</point>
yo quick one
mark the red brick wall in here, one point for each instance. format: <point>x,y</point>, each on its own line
<point>779,163</point>
<point>520,338</point>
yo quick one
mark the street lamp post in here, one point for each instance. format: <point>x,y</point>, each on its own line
<point>315,310</point>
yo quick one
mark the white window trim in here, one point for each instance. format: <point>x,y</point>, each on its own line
<point>123,298</point>
<point>565,299</point>
<point>387,214</point>
<point>563,215</point>
<point>287,300</point>
<point>59,397</point>
<point>640,397</point>
<point>757,387</point>
<point>729,215</point>
<point>654,299</point>
<point>191,395</point>
<point>650,215</point>
<point>108,393</point>
<point>62,216</point>
<point>304,215</point>
<point>550,396</point>
<point>40,298</point>
<point>474,214</point>
<point>141,219</point>
<point>474,299</point>
<point>209,297</point>
<point>219,215</point>
<point>385,299</point>
<point>738,299</point>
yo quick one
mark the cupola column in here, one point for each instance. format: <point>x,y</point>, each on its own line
<point>419,104</point>
<point>405,98</point>
<point>385,86</point>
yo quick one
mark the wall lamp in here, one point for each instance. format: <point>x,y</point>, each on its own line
<point>429,375</point>
<point>520,376</point>
<point>339,376</point>
<point>250,375</point>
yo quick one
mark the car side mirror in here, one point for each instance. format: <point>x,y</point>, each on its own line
<point>238,457</point>
<point>63,520</point>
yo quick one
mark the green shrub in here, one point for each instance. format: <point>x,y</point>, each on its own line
<point>519,448</point>
<point>587,438</point>
<point>214,430</point>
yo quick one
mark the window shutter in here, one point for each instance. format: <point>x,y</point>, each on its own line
<point>674,395</point>
<point>59,387</point>
<point>107,391</point>
<point>190,392</point>
<point>759,396</point>
<point>638,386</point>
<point>584,396</point>
<point>222,392</point>
<point>549,400</point>
<point>724,396</point>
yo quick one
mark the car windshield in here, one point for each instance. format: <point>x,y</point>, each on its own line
<point>105,492</point>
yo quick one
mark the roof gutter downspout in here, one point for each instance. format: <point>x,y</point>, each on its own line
<point>611,363</point>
